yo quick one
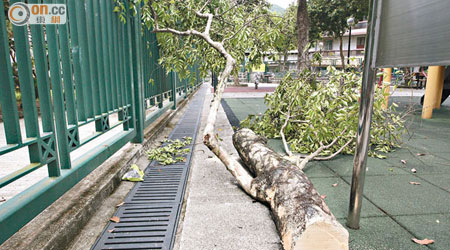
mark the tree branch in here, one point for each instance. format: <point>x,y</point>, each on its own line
<point>242,28</point>
<point>326,158</point>
<point>233,166</point>
<point>318,151</point>
<point>204,6</point>
<point>283,137</point>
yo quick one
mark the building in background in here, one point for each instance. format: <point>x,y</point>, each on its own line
<point>330,51</point>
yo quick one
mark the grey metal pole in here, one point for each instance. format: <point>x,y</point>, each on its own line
<point>365,118</point>
<point>349,43</point>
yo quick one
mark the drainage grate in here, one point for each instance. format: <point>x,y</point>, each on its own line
<point>149,215</point>
<point>141,227</point>
<point>163,184</point>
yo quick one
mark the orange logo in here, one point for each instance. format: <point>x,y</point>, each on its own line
<point>19,14</point>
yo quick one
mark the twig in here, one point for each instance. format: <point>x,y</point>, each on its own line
<point>326,158</point>
<point>322,147</point>
<point>283,137</point>
<point>242,28</point>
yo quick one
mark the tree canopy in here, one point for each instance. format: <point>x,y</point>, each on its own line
<point>243,27</point>
<point>329,17</point>
<point>287,38</point>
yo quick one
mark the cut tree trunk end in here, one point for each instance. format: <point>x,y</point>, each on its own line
<point>302,217</point>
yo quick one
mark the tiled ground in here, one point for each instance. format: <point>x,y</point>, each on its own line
<point>394,211</point>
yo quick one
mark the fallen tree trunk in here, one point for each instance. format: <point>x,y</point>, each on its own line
<point>302,217</point>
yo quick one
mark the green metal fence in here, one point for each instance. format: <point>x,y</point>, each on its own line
<point>86,71</point>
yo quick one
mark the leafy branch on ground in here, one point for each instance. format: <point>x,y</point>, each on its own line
<point>172,153</point>
<point>309,113</point>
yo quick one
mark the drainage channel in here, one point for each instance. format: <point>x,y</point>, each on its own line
<point>149,215</point>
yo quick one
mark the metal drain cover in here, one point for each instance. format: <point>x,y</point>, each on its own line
<point>149,216</point>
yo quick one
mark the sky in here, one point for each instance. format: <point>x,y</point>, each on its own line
<point>282,3</point>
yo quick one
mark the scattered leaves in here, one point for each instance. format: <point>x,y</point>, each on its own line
<point>403,161</point>
<point>115,219</point>
<point>391,169</point>
<point>120,204</point>
<point>423,242</point>
<point>218,137</point>
<point>414,183</point>
<point>172,153</point>
<point>420,154</point>
<point>323,196</point>
<point>335,185</point>
<point>111,230</point>
<point>414,170</point>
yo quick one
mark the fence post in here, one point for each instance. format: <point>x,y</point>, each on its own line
<point>138,102</point>
<point>186,89</point>
<point>58,97</point>
<point>174,89</point>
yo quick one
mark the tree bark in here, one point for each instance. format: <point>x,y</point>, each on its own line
<point>302,217</point>
<point>236,79</point>
<point>303,35</point>
<point>285,60</point>
<point>341,52</point>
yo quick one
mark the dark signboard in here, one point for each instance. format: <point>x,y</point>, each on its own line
<point>412,33</point>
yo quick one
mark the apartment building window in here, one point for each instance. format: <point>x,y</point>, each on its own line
<point>328,45</point>
<point>360,42</point>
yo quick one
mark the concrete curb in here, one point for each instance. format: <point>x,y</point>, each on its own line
<point>58,225</point>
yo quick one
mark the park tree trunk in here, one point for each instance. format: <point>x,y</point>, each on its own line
<point>341,52</point>
<point>285,60</point>
<point>303,34</point>
<point>302,217</point>
<point>236,78</point>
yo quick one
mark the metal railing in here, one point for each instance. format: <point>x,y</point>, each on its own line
<point>81,74</point>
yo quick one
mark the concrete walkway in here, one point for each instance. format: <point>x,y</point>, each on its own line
<point>393,210</point>
<point>218,214</point>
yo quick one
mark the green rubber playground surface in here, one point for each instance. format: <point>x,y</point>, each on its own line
<point>393,211</point>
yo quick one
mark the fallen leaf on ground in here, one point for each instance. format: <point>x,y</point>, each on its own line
<point>420,154</point>
<point>414,183</point>
<point>323,196</point>
<point>112,230</point>
<point>391,169</point>
<point>115,219</point>
<point>2,199</point>
<point>220,129</point>
<point>335,185</point>
<point>414,170</point>
<point>119,205</point>
<point>210,156</point>
<point>184,160</point>
<point>423,242</point>
<point>403,161</point>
